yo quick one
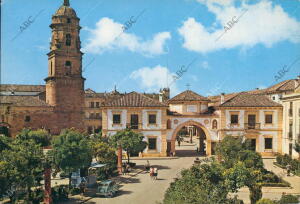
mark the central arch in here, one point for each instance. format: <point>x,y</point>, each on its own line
<point>204,135</point>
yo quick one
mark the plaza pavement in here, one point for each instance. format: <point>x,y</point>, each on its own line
<point>140,189</point>
<point>137,188</point>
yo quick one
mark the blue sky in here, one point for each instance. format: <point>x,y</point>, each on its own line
<point>264,36</point>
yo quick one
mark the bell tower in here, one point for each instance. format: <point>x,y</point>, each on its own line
<point>65,84</point>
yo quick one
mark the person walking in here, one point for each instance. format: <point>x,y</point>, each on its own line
<point>147,166</point>
<point>151,173</point>
<point>155,172</point>
<point>288,168</point>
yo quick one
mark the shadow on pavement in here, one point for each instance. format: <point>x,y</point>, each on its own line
<point>129,180</point>
<point>187,153</point>
<point>77,200</point>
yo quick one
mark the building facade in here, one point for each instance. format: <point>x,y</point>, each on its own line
<point>269,117</point>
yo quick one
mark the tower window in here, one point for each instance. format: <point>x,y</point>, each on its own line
<point>27,118</point>
<point>68,40</point>
<point>68,63</point>
<point>68,20</point>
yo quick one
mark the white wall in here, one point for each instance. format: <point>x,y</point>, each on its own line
<point>145,119</point>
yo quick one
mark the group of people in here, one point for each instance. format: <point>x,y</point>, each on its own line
<point>152,170</point>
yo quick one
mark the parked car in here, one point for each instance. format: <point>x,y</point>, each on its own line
<point>107,188</point>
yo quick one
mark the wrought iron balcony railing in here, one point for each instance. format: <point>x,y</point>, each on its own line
<point>132,125</point>
<point>250,126</point>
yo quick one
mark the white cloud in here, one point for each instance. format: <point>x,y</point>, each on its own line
<point>261,23</point>
<point>109,35</point>
<point>152,79</point>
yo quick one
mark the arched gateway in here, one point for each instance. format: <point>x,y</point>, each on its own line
<point>189,109</point>
<point>204,135</point>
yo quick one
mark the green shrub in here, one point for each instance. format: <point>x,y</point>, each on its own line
<point>74,191</point>
<point>36,196</point>
<point>288,199</point>
<point>265,201</point>
<point>60,193</point>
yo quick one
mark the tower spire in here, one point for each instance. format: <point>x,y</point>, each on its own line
<point>66,3</point>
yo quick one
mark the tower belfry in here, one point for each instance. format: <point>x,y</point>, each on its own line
<point>65,84</point>
<point>66,3</point>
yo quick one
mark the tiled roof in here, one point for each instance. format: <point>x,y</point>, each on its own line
<point>134,99</point>
<point>22,88</point>
<point>188,95</point>
<point>245,99</point>
<point>22,101</point>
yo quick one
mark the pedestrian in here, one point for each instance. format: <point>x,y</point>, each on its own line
<point>127,168</point>
<point>155,172</point>
<point>147,166</point>
<point>288,168</point>
<point>151,173</point>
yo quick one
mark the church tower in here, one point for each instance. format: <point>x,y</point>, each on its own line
<point>65,84</point>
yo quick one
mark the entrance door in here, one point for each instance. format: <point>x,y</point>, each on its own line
<point>251,121</point>
<point>134,121</point>
<point>290,149</point>
<point>253,144</point>
<point>168,148</point>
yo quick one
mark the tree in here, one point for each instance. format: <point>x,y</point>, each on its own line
<point>244,166</point>
<point>71,151</point>
<point>40,136</point>
<point>21,167</point>
<point>229,148</point>
<point>105,154</point>
<point>201,184</point>
<point>130,141</point>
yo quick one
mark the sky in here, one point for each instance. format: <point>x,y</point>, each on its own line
<point>208,46</point>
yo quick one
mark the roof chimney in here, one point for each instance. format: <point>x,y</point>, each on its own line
<point>222,98</point>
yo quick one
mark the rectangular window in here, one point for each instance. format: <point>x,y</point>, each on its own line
<point>268,143</point>
<point>90,130</point>
<point>152,119</point>
<point>98,116</point>
<point>234,119</point>
<point>92,105</point>
<point>134,121</point>
<point>92,115</point>
<point>27,118</point>
<point>116,119</point>
<point>253,144</point>
<point>97,104</point>
<point>152,144</point>
<point>269,118</point>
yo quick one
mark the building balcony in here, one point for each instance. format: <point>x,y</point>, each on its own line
<point>133,126</point>
<point>252,126</point>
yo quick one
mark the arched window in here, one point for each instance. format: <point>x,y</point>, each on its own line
<point>214,124</point>
<point>168,124</point>
<point>68,40</point>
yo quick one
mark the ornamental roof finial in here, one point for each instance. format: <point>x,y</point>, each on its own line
<point>66,3</point>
